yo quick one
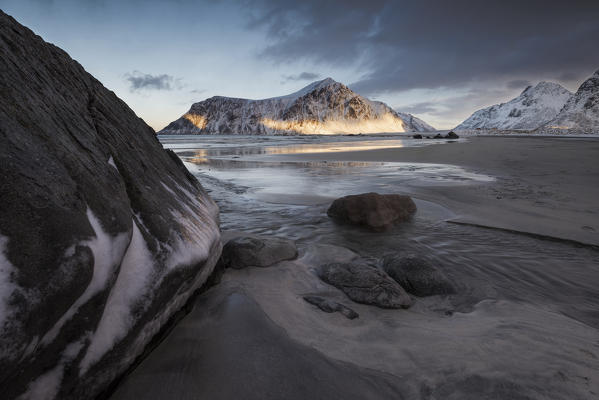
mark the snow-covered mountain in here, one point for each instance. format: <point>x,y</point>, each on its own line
<point>323,107</point>
<point>534,107</point>
<point>581,113</point>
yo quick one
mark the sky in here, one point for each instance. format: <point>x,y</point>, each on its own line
<point>440,60</point>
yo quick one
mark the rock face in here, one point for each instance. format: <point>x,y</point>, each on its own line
<point>372,210</point>
<point>323,107</point>
<point>250,251</point>
<point>103,234</point>
<point>534,107</point>
<point>417,276</point>
<point>330,306</point>
<point>581,113</point>
<point>365,283</point>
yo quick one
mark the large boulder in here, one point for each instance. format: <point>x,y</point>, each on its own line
<point>103,234</point>
<point>365,283</point>
<point>254,251</point>
<point>417,276</point>
<point>372,210</point>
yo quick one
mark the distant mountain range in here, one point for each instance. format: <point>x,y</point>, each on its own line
<point>544,108</point>
<point>323,107</point>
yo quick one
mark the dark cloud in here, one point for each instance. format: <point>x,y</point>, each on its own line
<point>402,45</point>
<point>570,76</point>
<point>304,76</point>
<point>139,81</point>
<point>518,84</point>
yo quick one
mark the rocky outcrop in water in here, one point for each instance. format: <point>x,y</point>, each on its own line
<point>372,210</point>
<point>103,234</point>
<point>581,113</point>
<point>365,283</point>
<point>252,251</point>
<point>323,107</point>
<point>417,276</point>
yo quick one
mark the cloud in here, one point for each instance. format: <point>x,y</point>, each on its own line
<point>141,81</point>
<point>404,45</point>
<point>518,84</point>
<point>419,108</point>
<point>304,76</point>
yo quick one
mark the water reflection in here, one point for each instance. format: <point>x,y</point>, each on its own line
<point>314,182</point>
<point>290,144</point>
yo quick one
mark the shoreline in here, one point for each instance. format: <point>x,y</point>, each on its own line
<point>532,192</point>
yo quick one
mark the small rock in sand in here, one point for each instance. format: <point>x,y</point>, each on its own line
<point>417,136</point>
<point>373,210</point>
<point>417,276</point>
<point>365,283</point>
<point>452,135</point>
<point>253,251</point>
<point>330,306</point>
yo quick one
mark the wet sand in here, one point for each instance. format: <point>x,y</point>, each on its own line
<point>228,348</point>
<point>545,186</point>
<point>254,337</point>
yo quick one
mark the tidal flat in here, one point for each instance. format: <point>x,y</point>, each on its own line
<point>512,222</point>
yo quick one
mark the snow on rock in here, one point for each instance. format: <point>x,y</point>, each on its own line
<point>7,287</point>
<point>47,385</point>
<point>416,123</point>
<point>531,109</point>
<point>107,252</point>
<point>581,113</point>
<point>132,286</point>
<point>323,107</point>
<point>94,259</point>
<point>111,163</point>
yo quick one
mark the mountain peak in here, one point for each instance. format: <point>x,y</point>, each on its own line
<point>545,86</point>
<point>319,85</point>
<point>310,88</point>
<point>325,82</point>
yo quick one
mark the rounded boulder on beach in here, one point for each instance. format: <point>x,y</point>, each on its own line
<point>372,210</point>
